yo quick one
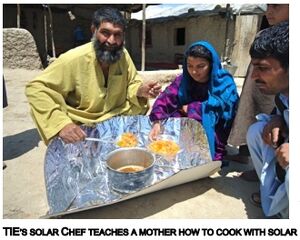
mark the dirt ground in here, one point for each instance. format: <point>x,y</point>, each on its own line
<point>222,195</point>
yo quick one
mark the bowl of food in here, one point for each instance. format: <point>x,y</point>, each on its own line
<point>127,139</point>
<point>164,145</point>
<point>130,169</point>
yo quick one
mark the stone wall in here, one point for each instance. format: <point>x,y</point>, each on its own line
<point>19,50</point>
<point>162,76</point>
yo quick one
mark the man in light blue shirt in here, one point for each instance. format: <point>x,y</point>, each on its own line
<point>268,139</point>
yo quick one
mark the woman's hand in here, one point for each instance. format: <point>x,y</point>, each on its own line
<point>185,110</point>
<point>72,133</point>
<point>155,131</point>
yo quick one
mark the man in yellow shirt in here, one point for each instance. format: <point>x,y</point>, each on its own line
<point>89,84</point>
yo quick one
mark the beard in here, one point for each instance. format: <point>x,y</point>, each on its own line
<point>105,53</point>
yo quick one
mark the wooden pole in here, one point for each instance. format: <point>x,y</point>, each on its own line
<point>45,32</point>
<point>18,15</point>
<point>226,42</point>
<point>51,31</point>
<point>143,38</point>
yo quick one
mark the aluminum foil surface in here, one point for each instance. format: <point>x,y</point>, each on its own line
<point>76,176</point>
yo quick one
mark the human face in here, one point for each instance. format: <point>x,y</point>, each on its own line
<point>198,68</point>
<point>110,34</point>
<point>277,13</point>
<point>108,42</point>
<point>269,76</point>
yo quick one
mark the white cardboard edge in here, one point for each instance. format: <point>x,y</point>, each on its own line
<point>181,177</point>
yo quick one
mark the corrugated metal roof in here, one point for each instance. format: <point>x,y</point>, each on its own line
<point>173,10</point>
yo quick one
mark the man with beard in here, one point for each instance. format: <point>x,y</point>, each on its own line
<point>89,84</point>
<point>268,139</point>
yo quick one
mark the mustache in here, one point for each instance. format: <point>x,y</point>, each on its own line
<point>109,47</point>
<point>259,81</point>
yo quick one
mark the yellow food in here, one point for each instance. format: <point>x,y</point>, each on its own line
<point>130,168</point>
<point>164,147</point>
<point>127,140</point>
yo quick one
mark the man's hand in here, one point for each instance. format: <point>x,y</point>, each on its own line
<point>149,89</point>
<point>282,154</point>
<point>273,130</point>
<point>72,133</point>
<point>154,131</point>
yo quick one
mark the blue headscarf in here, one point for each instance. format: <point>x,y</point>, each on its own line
<point>222,95</point>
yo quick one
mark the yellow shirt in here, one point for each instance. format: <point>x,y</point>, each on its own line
<point>72,89</point>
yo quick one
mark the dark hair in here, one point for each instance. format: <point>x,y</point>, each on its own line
<point>108,14</point>
<point>199,51</point>
<point>273,42</point>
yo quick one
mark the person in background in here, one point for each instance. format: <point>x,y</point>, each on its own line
<point>89,84</point>
<point>205,92</point>
<point>79,37</point>
<point>5,104</point>
<point>268,139</point>
<point>252,101</point>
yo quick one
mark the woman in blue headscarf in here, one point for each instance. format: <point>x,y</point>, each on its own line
<point>205,92</point>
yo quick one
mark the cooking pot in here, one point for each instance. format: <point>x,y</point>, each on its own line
<point>130,169</point>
